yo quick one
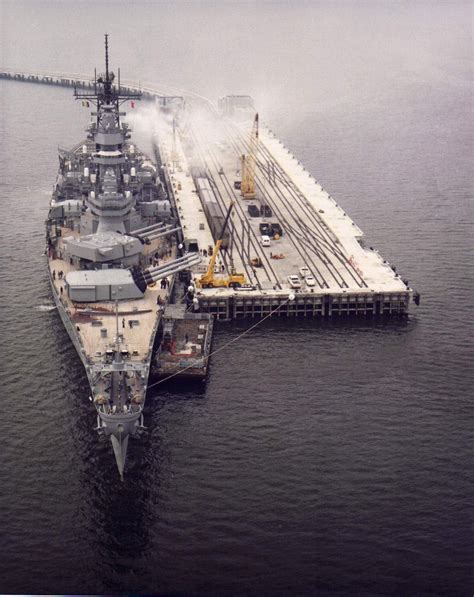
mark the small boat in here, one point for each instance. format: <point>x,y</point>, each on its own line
<point>185,346</point>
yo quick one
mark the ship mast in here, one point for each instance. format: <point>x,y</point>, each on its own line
<point>107,82</point>
<point>104,93</point>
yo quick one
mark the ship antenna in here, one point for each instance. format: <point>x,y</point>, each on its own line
<point>108,80</point>
<point>106,56</point>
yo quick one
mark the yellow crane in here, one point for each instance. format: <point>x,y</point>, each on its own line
<point>209,279</point>
<point>249,164</point>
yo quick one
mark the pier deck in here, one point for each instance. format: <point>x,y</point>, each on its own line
<point>317,233</point>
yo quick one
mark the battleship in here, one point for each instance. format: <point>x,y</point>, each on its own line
<point>110,236</point>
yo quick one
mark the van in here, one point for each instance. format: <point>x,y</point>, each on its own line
<point>265,240</point>
<point>253,210</point>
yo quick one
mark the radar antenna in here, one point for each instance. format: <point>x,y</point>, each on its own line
<point>104,91</point>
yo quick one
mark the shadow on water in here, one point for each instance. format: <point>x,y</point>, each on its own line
<point>355,323</point>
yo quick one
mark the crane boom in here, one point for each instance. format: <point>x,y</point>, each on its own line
<point>208,280</point>
<point>217,246</point>
<point>249,164</point>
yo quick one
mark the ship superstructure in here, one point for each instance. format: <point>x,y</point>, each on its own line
<point>111,235</point>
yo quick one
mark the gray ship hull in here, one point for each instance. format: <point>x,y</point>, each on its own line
<point>118,426</point>
<point>110,236</point>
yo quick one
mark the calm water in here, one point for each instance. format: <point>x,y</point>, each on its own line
<point>320,457</point>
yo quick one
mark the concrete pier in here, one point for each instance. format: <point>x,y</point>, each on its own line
<point>319,239</point>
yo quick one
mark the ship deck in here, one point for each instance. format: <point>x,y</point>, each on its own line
<point>96,322</point>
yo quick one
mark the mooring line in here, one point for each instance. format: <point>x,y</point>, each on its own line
<point>252,327</point>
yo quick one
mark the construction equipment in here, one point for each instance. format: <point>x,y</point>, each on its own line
<point>209,279</point>
<point>249,164</point>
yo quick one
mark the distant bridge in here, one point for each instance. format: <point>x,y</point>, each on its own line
<point>164,98</point>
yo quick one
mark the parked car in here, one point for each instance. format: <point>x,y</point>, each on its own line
<point>253,211</point>
<point>304,271</point>
<point>276,229</point>
<point>310,281</point>
<point>294,281</point>
<point>266,211</point>
<point>265,240</point>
